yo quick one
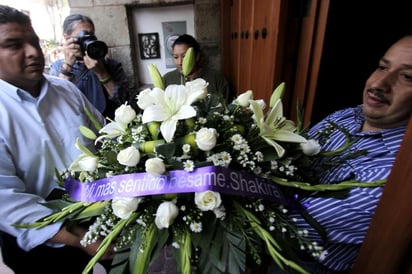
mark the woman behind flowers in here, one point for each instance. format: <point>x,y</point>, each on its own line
<point>218,85</point>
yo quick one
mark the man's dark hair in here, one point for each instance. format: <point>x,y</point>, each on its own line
<point>72,20</point>
<point>188,40</point>
<point>12,15</point>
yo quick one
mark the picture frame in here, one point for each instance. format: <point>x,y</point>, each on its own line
<point>149,45</point>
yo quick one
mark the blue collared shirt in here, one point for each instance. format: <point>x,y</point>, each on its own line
<point>37,135</point>
<point>91,87</point>
<point>347,219</point>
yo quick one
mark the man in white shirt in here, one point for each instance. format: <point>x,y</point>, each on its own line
<point>40,117</point>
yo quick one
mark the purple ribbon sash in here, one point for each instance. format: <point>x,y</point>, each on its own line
<point>214,178</point>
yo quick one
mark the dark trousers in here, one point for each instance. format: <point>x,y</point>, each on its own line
<point>42,259</point>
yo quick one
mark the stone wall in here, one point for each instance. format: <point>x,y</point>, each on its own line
<point>111,18</point>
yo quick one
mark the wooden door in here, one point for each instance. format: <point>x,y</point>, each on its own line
<point>245,53</point>
<point>253,32</point>
<point>264,39</point>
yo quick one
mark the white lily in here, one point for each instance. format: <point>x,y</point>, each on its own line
<point>275,127</point>
<point>172,105</point>
<point>113,129</point>
<point>145,98</point>
<point>86,161</point>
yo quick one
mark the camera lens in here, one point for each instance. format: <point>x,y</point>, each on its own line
<point>96,49</point>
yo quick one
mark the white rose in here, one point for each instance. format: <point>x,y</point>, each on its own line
<point>145,98</point>
<point>84,163</point>
<point>124,114</point>
<point>123,207</point>
<point>207,200</point>
<point>197,85</point>
<point>88,163</point>
<point>243,99</point>
<point>206,138</point>
<point>129,156</point>
<point>311,147</point>
<point>165,215</point>
<point>155,166</point>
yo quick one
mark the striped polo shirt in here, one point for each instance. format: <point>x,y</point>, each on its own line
<point>346,220</point>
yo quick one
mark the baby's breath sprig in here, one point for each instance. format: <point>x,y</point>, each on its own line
<point>273,247</point>
<point>117,229</point>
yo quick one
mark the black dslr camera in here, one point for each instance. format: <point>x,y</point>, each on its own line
<point>88,43</point>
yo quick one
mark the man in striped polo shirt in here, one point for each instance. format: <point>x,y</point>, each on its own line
<point>378,126</point>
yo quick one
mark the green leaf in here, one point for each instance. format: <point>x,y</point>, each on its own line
<point>236,253</point>
<point>221,251</point>
<point>167,150</point>
<point>183,254</point>
<point>94,209</point>
<point>300,117</point>
<point>328,187</point>
<point>120,263</point>
<point>93,119</point>
<point>67,213</point>
<point>59,177</point>
<point>142,250</point>
<point>84,149</point>
<point>273,248</point>
<point>117,229</point>
<point>57,205</point>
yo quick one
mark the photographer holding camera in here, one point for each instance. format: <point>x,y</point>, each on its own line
<point>85,63</point>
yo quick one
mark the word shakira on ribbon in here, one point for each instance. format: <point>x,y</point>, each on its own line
<point>215,178</point>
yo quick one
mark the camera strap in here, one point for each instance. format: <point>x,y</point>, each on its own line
<point>80,75</point>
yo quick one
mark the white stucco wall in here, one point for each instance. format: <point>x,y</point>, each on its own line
<point>148,20</point>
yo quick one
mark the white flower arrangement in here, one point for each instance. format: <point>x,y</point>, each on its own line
<point>212,180</point>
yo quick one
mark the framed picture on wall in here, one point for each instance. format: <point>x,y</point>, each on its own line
<point>149,45</point>
<point>171,30</point>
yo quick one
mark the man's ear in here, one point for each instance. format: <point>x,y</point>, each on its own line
<point>66,36</point>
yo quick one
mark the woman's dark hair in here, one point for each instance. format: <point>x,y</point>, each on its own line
<point>72,20</point>
<point>188,40</point>
<point>12,15</point>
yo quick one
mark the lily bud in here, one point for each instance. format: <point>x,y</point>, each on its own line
<point>243,99</point>
<point>189,139</point>
<point>188,62</point>
<point>156,77</point>
<point>154,129</point>
<point>149,146</point>
<point>277,94</point>
<point>88,133</point>
<point>190,123</point>
<point>240,128</point>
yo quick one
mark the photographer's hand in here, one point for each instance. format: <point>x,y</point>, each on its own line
<point>71,51</point>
